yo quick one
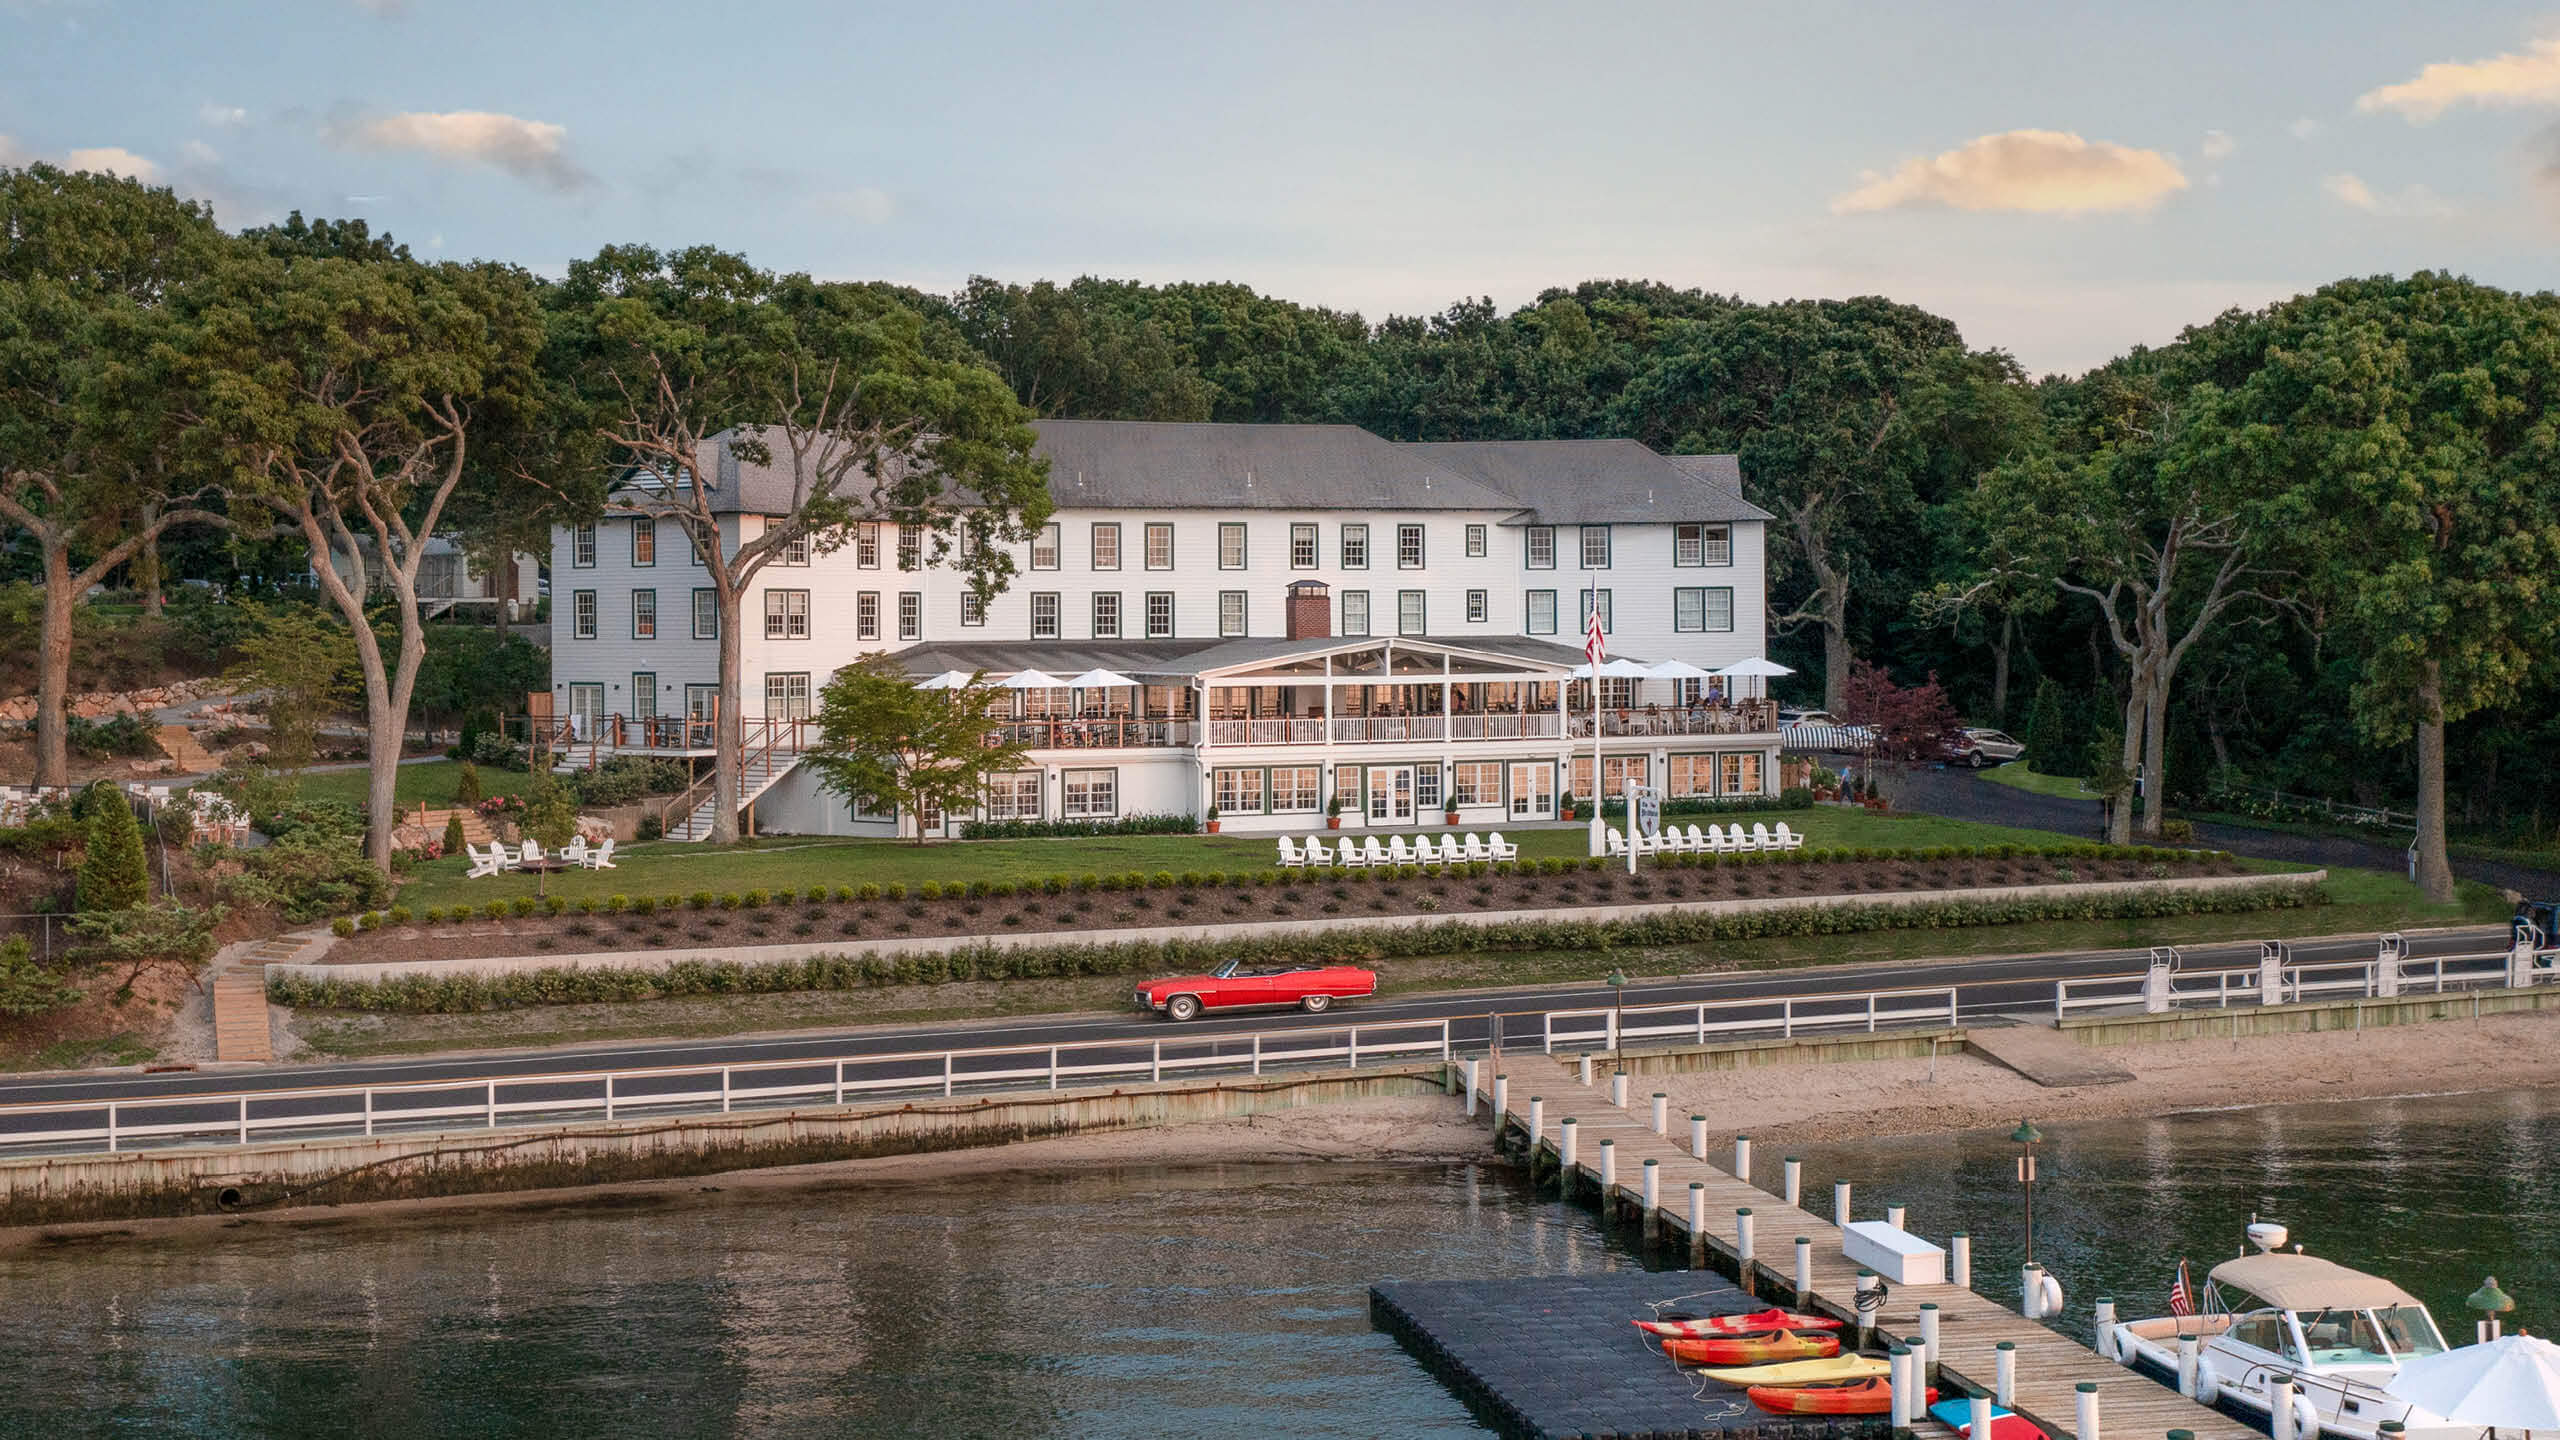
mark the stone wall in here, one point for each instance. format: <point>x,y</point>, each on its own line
<point>98,705</point>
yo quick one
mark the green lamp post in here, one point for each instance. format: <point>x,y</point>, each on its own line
<point>2026,1137</point>
<point>2491,1302</point>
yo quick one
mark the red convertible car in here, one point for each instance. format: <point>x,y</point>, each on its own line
<point>1234,985</point>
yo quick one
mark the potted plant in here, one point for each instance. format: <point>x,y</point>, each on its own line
<point>1565,810</point>
<point>1333,813</point>
<point>1212,820</point>
<point>1449,813</point>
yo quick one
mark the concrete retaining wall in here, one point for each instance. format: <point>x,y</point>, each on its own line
<point>196,1181</point>
<point>2305,1017</point>
<point>761,954</point>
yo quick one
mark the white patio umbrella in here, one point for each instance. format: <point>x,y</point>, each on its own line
<point>1092,679</point>
<point>2511,1383</point>
<point>1764,669</point>
<point>1621,668</point>
<point>1034,680</point>
<point>947,680</point>
<point>1678,670</point>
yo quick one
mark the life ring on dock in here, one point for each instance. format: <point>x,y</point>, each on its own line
<point>2306,1417</point>
<point>2208,1383</point>
<point>2049,1291</point>
<point>2117,1346</point>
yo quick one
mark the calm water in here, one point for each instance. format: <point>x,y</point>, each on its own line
<point>1154,1302</point>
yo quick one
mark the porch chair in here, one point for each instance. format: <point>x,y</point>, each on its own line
<point>1698,840</point>
<point>1290,859</point>
<point>576,852</point>
<point>1373,853</point>
<point>1740,840</point>
<point>483,862</point>
<point>601,857</point>
<point>531,852</point>
<point>1426,850</point>
<point>1503,849</point>
<point>1398,852</point>
<point>1317,854</point>
<point>1474,848</point>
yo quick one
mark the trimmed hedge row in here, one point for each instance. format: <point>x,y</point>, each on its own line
<point>1072,829</point>
<point>1798,798</point>
<point>567,985</point>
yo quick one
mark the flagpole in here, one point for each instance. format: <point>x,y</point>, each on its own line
<point>1592,648</point>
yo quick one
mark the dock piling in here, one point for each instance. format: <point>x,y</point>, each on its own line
<point>1804,1269</point>
<point>1698,1136</point>
<point>1568,1150</point>
<point>1981,1416</point>
<point>1744,1252</point>
<point>2187,1347</point>
<point>1586,1069</point>
<point>1960,1260</point>
<point>1904,1390</point>
<point>1608,1176</point>
<point>1618,1089</point>
<point>1928,1348</point>
<point>2280,1409</point>
<point>1893,1216</point>
<point>1652,1198</point>
<point>1501,1099</point>
<point>1840,1203</point>
<point>1661,1113</point>
<point>1741,1157</point>
<point>1468,1068</point>
<point>1697,1224</point>
<point>1795,1181</point>
<point>2004,1374</point>
<point>2085,1398</point>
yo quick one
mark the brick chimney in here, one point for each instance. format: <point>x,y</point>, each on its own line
<point>1310,610</point>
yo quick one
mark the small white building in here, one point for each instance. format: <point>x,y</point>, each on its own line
<point>1306,612</point>
<point>447,580</point>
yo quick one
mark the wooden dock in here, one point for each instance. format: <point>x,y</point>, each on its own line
<point>2050,1366</point>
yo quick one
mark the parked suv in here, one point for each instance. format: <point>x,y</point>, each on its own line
<point>1978,748</point>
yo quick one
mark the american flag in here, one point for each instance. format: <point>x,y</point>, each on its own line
<point>2182,1294</point>
<point>1593,643</point>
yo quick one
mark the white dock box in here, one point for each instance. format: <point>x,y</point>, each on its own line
<point>1901,1257</point>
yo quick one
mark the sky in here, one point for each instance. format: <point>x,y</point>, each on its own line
<point>2064,180</point>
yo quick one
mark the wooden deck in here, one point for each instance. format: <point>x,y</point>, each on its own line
<point>2050,1366</point>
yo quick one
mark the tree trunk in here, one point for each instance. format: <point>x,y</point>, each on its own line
<point>727,736</point>
<point>386,726</point>
<point>146,564</point>
<point>53,669</point>
<point>2120,814</point>
<point>1835,643</point>
<point>2435,866</point>
<point>2155,756</point>
<point>2000,669</point>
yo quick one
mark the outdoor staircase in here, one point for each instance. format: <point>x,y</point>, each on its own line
<point>179,744</point>
<point>756,774</point>
<point>475,830</point>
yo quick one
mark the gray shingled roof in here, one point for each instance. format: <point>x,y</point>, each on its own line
<point>1158,660</point>
<point>1601,482</point>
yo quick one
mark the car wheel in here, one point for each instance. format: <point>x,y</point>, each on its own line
<point>1182,1007</point>
<point>1974,759</point>
<point>1316,1004</point>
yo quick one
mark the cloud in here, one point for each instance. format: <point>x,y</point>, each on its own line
<point>2526,79</point>
<point>385,9</point>
<point>2415,202</point>
<point>862,204</point>
<point>527,149</point>
<point>112,160</point>
<point>222,117</point>
<point>2305,128</point>
<point>196,152</point>
<point>2041,171</point>
<point>2218,145</point>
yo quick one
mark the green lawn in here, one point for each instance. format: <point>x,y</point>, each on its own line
<point>667,867</point>
<point>427,783</point>
<point>2017,776</point>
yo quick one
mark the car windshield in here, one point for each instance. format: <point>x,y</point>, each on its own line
<point>2410,1330</point>
<point>1227,970</point>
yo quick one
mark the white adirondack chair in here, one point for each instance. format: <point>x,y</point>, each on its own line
<point>1760,838</point>
<point>1398,852</point>
<point>601,857</point>
<point>1617,843</point>
<point>1475,847</point>
<point>1317,852</point>
<point>1373,853</point>
<point>576,852</point>
<point>1788,838</point>
<point>1503,849</point>
<point>484,862</point>
<point>531,852</point>
<point>1290,859</point>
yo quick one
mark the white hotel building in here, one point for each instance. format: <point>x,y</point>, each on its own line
<point>1306,611</point>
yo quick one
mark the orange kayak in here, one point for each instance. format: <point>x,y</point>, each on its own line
<point>1758,1321</point>
<point>1752,1349</point>
<point>1858,1397</point>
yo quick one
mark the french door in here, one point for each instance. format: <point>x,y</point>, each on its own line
<point>1533,790</point>
<point>1390,794</point>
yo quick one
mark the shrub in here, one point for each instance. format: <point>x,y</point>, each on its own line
<point>867,892</point>
<point>644,905</point>
<point>895,890</point>
<point>1163,880</point>
<point>342,927</point>
<point>929,890</point>
<point>730,900</point>
<point>756,899</point>
<point>651,827</point>
<point>521,906</point>
<point>435,914</point>
<point>400,915</point>
<point>493,910</point>
<point>1059,829</point>
<point>306,874</point>
<point>1189,880</point>
<point>1088,882</point>
<point>453,837</point>
<point>369,920</point>
<point>1001,890</point>
<point>700,900</point>
<point>113,874</point>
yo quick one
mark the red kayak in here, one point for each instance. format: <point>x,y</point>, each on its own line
<point>1752,1349</point>
<point>1698,1327</point>
<point>1858,1397</point>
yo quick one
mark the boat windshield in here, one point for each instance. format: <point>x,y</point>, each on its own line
<point>2410,1330</point>
<point>2343,1337</point>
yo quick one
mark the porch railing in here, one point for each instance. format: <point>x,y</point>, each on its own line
<point>1093,734</point>
<point>1748,718</point>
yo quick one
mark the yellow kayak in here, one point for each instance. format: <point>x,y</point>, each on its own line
<point>1802,1372</point>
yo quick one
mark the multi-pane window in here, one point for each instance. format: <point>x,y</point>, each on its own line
<point>795,551</point>
<point>644,614</point>
<point>706,615</point>
<point>1742,774</point>
<point>644,541</point>
<point>1089,794</point>
<point>1106,545</point>
<point>1690,775</point>
<point>1701,544</point>
<point>1302,547</point>
<point>1297,789</point>
<point>1044,615</point>
<point>1476,606</point>
<point>582,547</point>
<point>1542,613</point>
<point>910,615</point>
<point>1595,547</point>
<point>1608,612</point>
<point>866,615</point>
<point>1410,613</point>
<point>1426,787</point>
<point>786,614</point>
<point>1238,792</point>
<point>1355,547</point>
<point>1618,770</point>
<point>1159,614</point>
<point>1106,615</point>
<point>866,545</point>
<point>1159,545</point>
<point>973,608</point>
<point>1720,608</point>
<point>1689,608</point>
<point>582,614</point>
<point>786,696</point>
<point>1355,612</point>
<point>910,547</point>
<point>1475,542</point>
<point>1475,782</point>
<point>1539,542</point>
<point>1231,612</point>
<point>1231,545</point>
<point>1014,795</point>
<point>1045,547</point>
<point>644,695</point>
<point>1408,547</point>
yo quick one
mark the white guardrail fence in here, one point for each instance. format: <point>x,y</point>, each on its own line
<point>2166,984</point>
<point>1784,1017</point>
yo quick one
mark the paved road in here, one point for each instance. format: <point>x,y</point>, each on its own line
<point>1963,795</point>
<point>1985,988</point>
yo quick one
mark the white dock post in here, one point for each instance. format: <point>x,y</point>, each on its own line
<point>1698,1136</point>
<point>2004,1373</point>
<point>1744,1250</point>
<point>1608,1173</point>
<point>1697,1217</point>
<point>1469,1067</point>
<point>2187,1365</point>
<point>2280,1409</point>
<point>1586,1069</point>
<point>1618,1089</point>
<point>1928,1338</point>
<point>1804,1269</point>
<point>1893,1216</point>
<point>1568,1152</point>
<point>1904,1391</point>
<point>1741,1157</point>
<point>1960,1260</point>
<point>1652,1197</point>
<point>1795,1181</point>
<point>1661,1113</point>
<point>2031,1290</point>
<point>1537,1127</point>
<point>1865,1304</point>
<point>2104,1319</point>
<point>1981,1417</point>
<point>2085,1398</point>
<point>1840,1203</point>
<point>1501,1100</point>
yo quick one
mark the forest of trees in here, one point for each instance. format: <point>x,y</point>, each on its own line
<point>2315,546</point>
